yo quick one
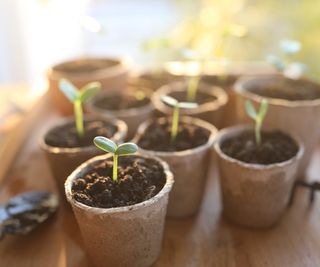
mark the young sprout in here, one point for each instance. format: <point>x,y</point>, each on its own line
<point>257,117</point>
<point>108,145</point>
<point>78,97</point>
<point>284,62</point>
<point>170,101</point>
<point>193,85</point>
<point>194,80</point>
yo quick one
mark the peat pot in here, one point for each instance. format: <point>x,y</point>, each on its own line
<point>110,72</point>
<point>189,167</point>
<point>210,111</point>
<point>63,160</point>
<point>297,117</point>
<point>254,195</point>
<point>133,117</point>
<point>122,236</point>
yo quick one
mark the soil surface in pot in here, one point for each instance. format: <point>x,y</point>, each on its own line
<point>85,66</point>
<point>157,137</point>
<point>66,136</point>
<point>122,101</point>
<point>224,81</point>
<point>275,147</point>
<point>139,179</point>
<point>201,97</point>
<point>288,89</point>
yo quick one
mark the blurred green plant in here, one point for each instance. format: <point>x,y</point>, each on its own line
<point>78,97</point>
<point>257,117</point>
<point>176,105</point>
<point>285,61</point>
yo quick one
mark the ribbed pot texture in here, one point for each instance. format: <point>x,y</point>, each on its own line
<point>189,167</point>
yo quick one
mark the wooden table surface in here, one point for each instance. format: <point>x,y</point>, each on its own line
<point>204,240</point>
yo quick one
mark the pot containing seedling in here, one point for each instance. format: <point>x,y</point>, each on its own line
<point>120,202</point>
<point>294,102</point>
<point>257,170</point>
<point>185,144</point>
<point>69,143</point>
<point>133,107</point>
<point>211,100</point>
<point>110,72</point>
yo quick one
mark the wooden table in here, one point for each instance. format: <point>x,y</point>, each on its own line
<point>205,240</point>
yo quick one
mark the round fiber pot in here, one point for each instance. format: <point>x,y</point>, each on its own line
<point>210,111</point>
<point>133,117</point>
<point>64,160</point>
<point>122,236</point>
<point>254,195</point>
<point>111,73</point>
<point>189,167</point>
<point>297,117</point>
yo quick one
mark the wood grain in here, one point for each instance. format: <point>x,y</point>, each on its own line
<point>204,240</point>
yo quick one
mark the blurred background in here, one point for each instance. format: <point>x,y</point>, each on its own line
<point>35,34</point>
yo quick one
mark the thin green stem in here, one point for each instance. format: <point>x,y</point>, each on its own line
<point>175,123</point>
<point>115,168</point>
<point>193,87</point>
<point>258,132</point>
<point>78,112</point>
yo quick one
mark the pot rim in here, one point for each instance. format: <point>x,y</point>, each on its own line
<point>121,66</point>
<point>90,105</point>
<point>241,84</point>
<point>188,120</point>
<point>119,135</point>
<point>234,130</point>
<point>179,86</point>
<point>91,162</point>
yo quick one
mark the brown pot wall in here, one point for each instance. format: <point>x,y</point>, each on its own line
<point>111,78</point>
<point>211,112</point>
<point>254,195</point>
<point>225,82</point>
<point>299,118</point>
<point>124,236</point>
<point>189,167</point>
<point>63,161</point>
<point>132,117</point>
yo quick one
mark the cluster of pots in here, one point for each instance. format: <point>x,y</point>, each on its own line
<point>253,195</point>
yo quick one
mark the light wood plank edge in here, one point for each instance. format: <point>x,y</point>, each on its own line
<point>14,141</point>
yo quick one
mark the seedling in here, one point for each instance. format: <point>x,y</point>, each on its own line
<point>78,97</point>
<point>109,146</point>
<point>194,80</point>
<point>284,63</point>
<point>176,105</point>
<point>257,117</point>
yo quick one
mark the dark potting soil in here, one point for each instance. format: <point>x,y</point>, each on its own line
<point>275,147</point>
<point>157,137</point>
<point>139,179</point>
<point>122,101</point>
<point>66,135</point>
<point>85,66</point>
<point>201,97</point>
<point>288,89</point>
